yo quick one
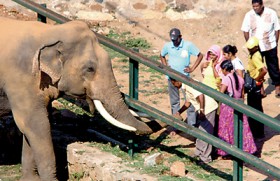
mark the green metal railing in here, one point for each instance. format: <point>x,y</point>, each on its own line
<point>132,100</point>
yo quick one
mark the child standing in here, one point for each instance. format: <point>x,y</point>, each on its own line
<point>257,71</point>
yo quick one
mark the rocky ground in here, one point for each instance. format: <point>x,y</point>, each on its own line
<point>211,22</point>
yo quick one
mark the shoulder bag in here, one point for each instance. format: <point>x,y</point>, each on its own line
<point>249,83</point>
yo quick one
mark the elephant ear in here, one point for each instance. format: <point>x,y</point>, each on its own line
<point>49,61</point>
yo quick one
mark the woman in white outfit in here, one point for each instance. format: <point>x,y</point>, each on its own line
<point>229,53</point>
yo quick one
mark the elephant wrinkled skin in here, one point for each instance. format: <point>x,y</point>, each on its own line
<point>38,62</point>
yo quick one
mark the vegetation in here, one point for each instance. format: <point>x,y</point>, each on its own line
<point>128,41</point>
<point>10,172</point>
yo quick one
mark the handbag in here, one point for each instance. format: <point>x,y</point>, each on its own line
<point>249,83</point>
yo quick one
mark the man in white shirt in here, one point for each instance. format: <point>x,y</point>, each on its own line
<point>262,22</point>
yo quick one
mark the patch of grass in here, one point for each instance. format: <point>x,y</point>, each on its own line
<point>168,178</point>
<point>159,90</point>
<point>124,69</point>
<point>137,43</point>
<point>115,150</point>
<point>10,172</point>
<point>73,107</point>
<point>156,76</point>
<point>270,153</point>
<point>80,152</point>
<point>128,40</point>
<point>77,176</point>
<point>154,57</point>
<point>123,60</point>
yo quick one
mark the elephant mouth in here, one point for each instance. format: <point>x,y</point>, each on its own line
<point>78,96</point>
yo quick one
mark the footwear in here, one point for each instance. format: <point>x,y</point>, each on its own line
<point>227,157</point>
<point>260,136</point>
<point>257,154</point>
<point>277,95</point>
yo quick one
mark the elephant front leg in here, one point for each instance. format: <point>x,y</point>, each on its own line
<point>38,152</point>
<point>29,170</point>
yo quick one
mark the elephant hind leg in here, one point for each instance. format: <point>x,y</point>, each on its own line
<point>29,170</point>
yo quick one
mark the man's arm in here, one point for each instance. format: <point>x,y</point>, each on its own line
<point>201,100</point>
<point>246,35</point>
<point>196,63</point>
<point>184,107</point>
<point>263,72</point>
<point>163,60</point>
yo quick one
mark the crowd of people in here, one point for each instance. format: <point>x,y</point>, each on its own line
<point>223,71</point>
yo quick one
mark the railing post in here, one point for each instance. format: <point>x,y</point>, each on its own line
<point>238,142</point>
<point>133,77</point>
<point>40,17</point>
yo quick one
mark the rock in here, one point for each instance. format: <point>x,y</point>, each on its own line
<point>153,159</point>
<point>94,16</point>
<point>95,164</point>
<point>178,169</point>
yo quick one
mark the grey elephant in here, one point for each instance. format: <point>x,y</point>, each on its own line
<point>38,63</point>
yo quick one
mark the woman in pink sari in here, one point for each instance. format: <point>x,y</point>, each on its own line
<point>232,84</point>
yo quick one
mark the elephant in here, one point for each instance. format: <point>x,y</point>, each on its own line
<point>41,62</point>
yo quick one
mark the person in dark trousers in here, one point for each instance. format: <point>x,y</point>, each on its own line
<point>179,52</point>
<point>262,23</point>
<point>257,71</point>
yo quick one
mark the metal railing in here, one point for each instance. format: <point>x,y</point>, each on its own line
<point>239,107</point>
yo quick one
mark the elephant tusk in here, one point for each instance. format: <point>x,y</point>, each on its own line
<point>139,114</point>
<point>109,118</point>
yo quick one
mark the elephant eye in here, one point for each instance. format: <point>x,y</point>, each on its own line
<point>90,69</point>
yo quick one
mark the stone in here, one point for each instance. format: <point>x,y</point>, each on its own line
<point>153,159</point>
<point>178,169</point>
<point>98,165</point>
<point>94,16</point>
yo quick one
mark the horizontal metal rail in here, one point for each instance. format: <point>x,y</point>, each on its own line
<point>237,105</point>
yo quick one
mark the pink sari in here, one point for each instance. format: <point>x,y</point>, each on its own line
<point>226,125</point>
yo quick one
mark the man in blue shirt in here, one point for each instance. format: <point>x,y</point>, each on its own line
<point>179,52</point>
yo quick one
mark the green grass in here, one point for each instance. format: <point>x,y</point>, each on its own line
<point>77,176</point>
<point>128,40</point>
<point>10,172</point>
<point>72,107</point>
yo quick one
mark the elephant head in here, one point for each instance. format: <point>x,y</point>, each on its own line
<point>75,62</point>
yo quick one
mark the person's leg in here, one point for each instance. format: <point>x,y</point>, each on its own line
<point>191,113</point>
<point>191,116</point>
<point>255,100</point>
<point>174,97</point>
<point>272,64</point>
<point>203,149</point>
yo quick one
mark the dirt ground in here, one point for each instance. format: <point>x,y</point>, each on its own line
<point>218,28</point>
